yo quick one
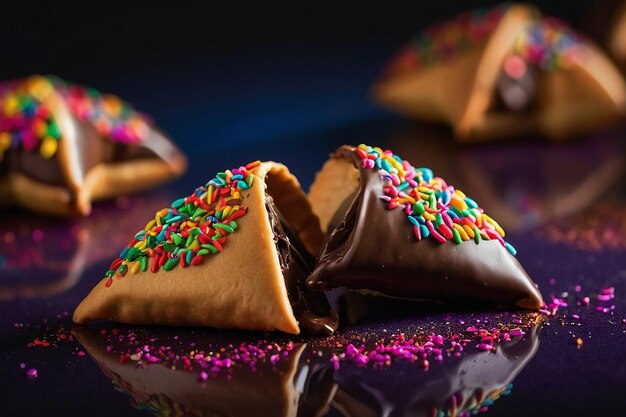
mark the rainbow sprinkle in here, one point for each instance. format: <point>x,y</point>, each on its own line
<point>548,43</point>
<point>433,207</point>
<point>26,118</point>
<point>190,229</point>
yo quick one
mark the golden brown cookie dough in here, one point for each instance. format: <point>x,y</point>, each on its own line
<point>229,256</point>
<point>505,72</point>
<point>63,146</point>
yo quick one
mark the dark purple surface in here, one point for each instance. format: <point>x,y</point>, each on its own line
<point>538,191</point>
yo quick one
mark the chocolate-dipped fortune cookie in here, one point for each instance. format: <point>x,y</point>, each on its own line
<point>399,231</point>
<point>63,146</point>
<point>503,72</point>
<point>233,254</point>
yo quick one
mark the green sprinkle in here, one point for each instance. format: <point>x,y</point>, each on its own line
<point>210,247</point>
<point>143,263</point>
<point>176,238</point>
<point>476,234</point>
<point>419,207</point>
<point>171,264</point>
<point>203,252</point>
<point>438,219</point>
<point>225,227</point>
<point>432,201</point>
<point>456,236</point>
<point>233,224</point>
<point>122,269</point>
<point>250,180</point>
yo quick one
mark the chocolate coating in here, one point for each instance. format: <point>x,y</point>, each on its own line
<point>517,94</point>
<point>373,249</point>
<point>311,309</point>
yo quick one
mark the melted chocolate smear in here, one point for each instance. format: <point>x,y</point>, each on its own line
<point>373,250</point>
<point>517,94</point>
<point>310,309</point>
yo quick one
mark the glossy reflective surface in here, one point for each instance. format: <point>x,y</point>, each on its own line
<point>563,206</point>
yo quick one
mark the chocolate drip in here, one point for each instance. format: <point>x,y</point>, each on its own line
<point>516,89</point>
<point>373,249</point>
<point>311,309</point>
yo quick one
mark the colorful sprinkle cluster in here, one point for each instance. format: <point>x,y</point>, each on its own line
<point>433,207</point>
<point>192,228</point>
<point>447,40</point>
<point>26,118</point>
<point>549,44</point>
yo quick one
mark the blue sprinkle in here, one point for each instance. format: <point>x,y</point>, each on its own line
<point>124,253</point>
<point>213,219</point>
<point>424,231</point>
<point>189,256</point>
<point>510,248</point>
<point>412,220</point>
<point>242,185</point>
<point>427,174</point>
<point>452,214</point>
<point>471,203</point>
<point>444,197</point>
<point>178,203</point>
<point>174,219</point>
<point>236,177</point>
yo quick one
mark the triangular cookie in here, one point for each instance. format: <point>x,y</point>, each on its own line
<point>229,255</point>
<point>504,72</point>
<point>399,231</point>
<point>63,146</point>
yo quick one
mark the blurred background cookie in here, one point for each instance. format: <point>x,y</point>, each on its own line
<point>63,145</point>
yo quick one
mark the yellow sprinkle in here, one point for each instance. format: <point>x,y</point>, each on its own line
<point>460,193</point>
<point>209,194</point>
<point>48,147</point>
<point>150,225</point>
<point>194,245</point>
<point>363,147</point>
<point>461,231</point>
<point>111,104</point>
<point>5,141</point>
<point>469,231</point>
<point>428,216</point>
<point>158,219</point>
<point>135,268</point>
<point>237,195</point>
<point>379,151</point>
<point>226,212</point>
<point>40,87</point>
<point>458,202</point>
<point>235,208</point>
<point>163,212</point>
<point>494,224</point>
<point>409,199</point>
<point>11,105</point>
<point>141,244</point>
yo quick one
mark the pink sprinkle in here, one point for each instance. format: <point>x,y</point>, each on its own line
<point>605,297</point>
<point>577,288</point>
<point>274,359</point>
<point>31,373</point>
<point>576,316</point>
<point>484,346</point>
<point>203,376</point>
<point>471,329</point>
<point>81,353</point>
<point>516,332</point>
<point>22,365</point>
<point>585,300</point>
<point>552,281</point>
<point>607,291</point>
<point>334,359</point>
<point>602,309</point>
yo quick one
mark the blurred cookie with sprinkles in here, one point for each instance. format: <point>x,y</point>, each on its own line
<point>504,72</point>
<point>235,253</point>
<point>63,146</point>
<point>400,231</point>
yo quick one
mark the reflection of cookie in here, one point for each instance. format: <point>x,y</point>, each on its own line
<point>296,386</point>
<point>63,146</point>
<point>228,255</point>
<point>399,231</point>
<point>504,73</point>
<point>462,388</point>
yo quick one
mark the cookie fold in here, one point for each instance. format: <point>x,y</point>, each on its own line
<point>63,146</point>
<point>399,231</point>
<point>229,256</point>
<point>504,72</point>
